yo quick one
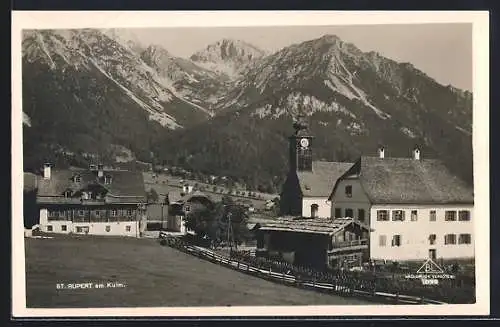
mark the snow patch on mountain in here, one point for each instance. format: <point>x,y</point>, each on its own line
<point>296,103</point>
<point>43,46</point>
<point>463,130</point>
<point>355,128</point>
<point>26,120</point>
<point>339,87</point>
<point>154,114</point>
<point>408,132</point>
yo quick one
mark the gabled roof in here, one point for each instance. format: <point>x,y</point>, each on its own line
<point>196,194</point>
<point>410,181</point>
<point>322,226</point>
<point>323,177</point>
<point>123,184</point>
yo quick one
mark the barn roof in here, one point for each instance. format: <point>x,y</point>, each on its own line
<point>123,183</point>
<point>323,177</point>
<point>321,226</point>
<point>406,180</point>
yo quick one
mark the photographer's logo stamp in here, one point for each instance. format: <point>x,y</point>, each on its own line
<point>430,273</point>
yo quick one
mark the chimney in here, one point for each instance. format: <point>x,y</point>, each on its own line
<point>381,152</point>
<point>46,171</point>
<point>100,170</point>
<point>416,153</point>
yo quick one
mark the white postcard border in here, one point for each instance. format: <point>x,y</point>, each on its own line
<point>110,19</point>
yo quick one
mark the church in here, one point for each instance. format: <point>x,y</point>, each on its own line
<point>309,183</point>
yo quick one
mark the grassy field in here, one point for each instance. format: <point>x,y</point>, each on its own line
<point>151,275</point>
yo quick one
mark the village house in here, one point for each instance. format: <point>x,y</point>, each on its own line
<point>181,205</point>
<point>308,184</point>
<point>94,201</point>
<point>415,207</point>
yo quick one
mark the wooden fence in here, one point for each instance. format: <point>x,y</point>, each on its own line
<point>339,286</point>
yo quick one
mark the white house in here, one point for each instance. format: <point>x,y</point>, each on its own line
<point>187,188</point>
<point>91,201</point>
<point>415,207</point>
<point>309,183</point>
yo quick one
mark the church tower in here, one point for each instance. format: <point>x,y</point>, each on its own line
<point>301,147</point>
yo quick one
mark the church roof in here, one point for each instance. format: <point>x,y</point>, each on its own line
<point>406,180</point>
<point>320,181</point>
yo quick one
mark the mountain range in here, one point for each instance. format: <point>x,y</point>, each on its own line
<point>228,108</point>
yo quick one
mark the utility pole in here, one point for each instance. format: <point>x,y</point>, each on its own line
<point>229,233</point>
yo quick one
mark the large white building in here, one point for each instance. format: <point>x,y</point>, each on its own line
<point>415,207</point>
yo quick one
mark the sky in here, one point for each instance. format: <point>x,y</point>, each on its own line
<point>442,51</point>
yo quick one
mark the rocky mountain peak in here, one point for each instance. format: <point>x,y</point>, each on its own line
<point>228,56</point>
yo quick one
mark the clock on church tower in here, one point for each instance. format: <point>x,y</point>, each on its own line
<point>300,148</point>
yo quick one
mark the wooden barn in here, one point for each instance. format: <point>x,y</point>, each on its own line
<point>318,242</point>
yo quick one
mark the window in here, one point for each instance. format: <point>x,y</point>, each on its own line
<point>108,229</point>
<point>127,228</point>
<point>77,179</point>
<point>114,212</point>
<point>432,215</point>
<point>129,212</point>
<point>80,213</point>
<point>314,210</point>
<point>348,191</point>
<point>49,228</point>
<point>450,239</point>
<point>348,213</point>
<point>64,228</point>
<point>464,215</point>
<point>67,194</point>
<point>62,214</point>
<point>382,215</point>
<point>450,215</point>
<point>97,213</point>
<point>398,215</point>
<point>338,212</point>
<point>382,240</point>
<point>432,239</point>
<point>396,240</point>
<point>187,208</point>
<point>107,179</point>
<point>414,215</point>
<point>82,229</point>
<point>361,214</point>
<point>464,239</point>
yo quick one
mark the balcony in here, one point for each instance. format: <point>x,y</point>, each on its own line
<point>92,201</point>
<point>355,245</point>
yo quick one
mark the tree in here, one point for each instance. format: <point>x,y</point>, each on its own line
<point>152,196</point>
<point>213,224</point>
